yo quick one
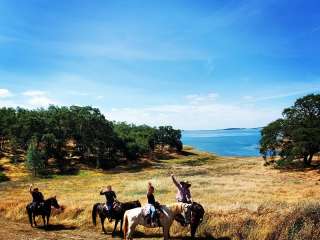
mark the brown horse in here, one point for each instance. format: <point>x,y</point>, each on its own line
<point>44,210</point>
<point>116,214</point>
<point>196,217</point>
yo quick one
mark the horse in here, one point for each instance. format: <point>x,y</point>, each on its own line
<point>136,216</point>
<point>44,210</point>
<point>117,215</point>
<point>196,217</point>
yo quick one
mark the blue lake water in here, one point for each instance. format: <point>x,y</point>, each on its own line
<point>229,142</point>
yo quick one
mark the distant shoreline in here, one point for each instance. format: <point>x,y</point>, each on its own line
<point>220,129</point>
<point>242,142</point>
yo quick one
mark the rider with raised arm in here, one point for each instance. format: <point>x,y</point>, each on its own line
<point>37,196</point>
<point>111,197</point>
<point>183,195</point>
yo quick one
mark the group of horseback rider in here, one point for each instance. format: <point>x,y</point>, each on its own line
<point>183,195</point>
<point>152,208</point>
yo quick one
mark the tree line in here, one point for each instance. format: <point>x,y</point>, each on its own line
<point>61,133</point>
<point>296,136</point>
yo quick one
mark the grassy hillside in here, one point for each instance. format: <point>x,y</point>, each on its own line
<point>243,199</point>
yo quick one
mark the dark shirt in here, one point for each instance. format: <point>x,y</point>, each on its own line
<point>151,199</point>
<point>37,196</point>
<point>110,196</point>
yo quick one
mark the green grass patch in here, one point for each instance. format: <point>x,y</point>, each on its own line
<point>195,162</point>
<point>3,177</point>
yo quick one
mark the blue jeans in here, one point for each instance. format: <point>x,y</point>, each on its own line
<point>152,211</point>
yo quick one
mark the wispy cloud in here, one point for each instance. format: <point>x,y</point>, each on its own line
<point>198,114</point>
<point>77,93</point>
<point>4,93</point>
<point>38,98</point>
<point>279,96</point>
<point>201,98</point>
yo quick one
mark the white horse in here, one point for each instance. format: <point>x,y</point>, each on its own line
<point>136,216</point>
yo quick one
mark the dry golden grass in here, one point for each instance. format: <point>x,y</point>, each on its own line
<point>243,199</point>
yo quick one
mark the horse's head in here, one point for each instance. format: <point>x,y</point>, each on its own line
<point>178,208</point>
<point>137,203</point>
<point>54,202</point>
<point>197,213</point>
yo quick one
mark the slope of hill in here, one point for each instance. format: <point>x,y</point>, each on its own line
<point>243,199</point>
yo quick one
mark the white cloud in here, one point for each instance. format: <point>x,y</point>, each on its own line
<point>34,93</point>
<point>5,93</point>
<point>76,93</point>
<point>197,116</point>
<point>200,98</point>
<point>99,97</point>
<point>38,98</point>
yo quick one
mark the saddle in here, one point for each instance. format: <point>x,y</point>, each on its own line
<point>37,206</point>
<point>147,215</point>
<point>116,206</point>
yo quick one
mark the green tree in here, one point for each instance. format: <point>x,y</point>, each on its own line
<point>297,135</point>
<point>168,136</point>
<point>34,161</point>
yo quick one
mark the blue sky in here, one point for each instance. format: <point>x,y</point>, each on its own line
<point>190,64</point>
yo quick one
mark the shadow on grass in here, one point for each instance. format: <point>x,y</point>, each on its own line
<point>53,172</point>
<point>160,235</point>
<point>186,153</point>
<point>202,238</point>
<point>57,227</point>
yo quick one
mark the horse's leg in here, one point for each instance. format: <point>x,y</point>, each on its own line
<point>166,232</point>
<point>44,220</point>
<point>48,217</point>
<point>102,224</point>
<point>121,223</point>
<point>34,219</point>
<point>115,226</point>
<point>29,211</point>
<point>194,227</point>
<point>131,230</point>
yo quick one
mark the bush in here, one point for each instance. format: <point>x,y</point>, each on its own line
<point>34,161</point>
<point>3,177</point>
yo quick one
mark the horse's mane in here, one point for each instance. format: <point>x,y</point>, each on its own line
<point>49,199</point>
<point>175,207</point>
<point>130,205</point>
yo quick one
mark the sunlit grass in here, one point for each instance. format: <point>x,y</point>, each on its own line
<point>243,199</point>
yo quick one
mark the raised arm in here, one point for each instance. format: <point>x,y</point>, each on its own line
<point>175,181</point>
<point>188,195</point>
<point>31,188</point>
<point>102,192</point>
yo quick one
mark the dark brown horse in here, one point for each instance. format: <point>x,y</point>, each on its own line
<point>196,217</point>
<point>116,214</point>
<point>44,210</point>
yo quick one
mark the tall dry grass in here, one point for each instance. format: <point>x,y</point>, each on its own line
<point>243,199</point>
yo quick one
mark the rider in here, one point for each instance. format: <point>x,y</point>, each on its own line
<point>183,195</point>
<point>111,197</point>
<point>37,197</point>
<point>151,203</point>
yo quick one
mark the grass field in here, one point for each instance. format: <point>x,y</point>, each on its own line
<point>243,199</point>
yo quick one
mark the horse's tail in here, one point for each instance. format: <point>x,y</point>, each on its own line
<point>94,213</point>
<point>125,226</point>
<point>29,213</point>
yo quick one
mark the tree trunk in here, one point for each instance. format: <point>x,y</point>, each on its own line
<point>305,159</point>
<point>310,158</point>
